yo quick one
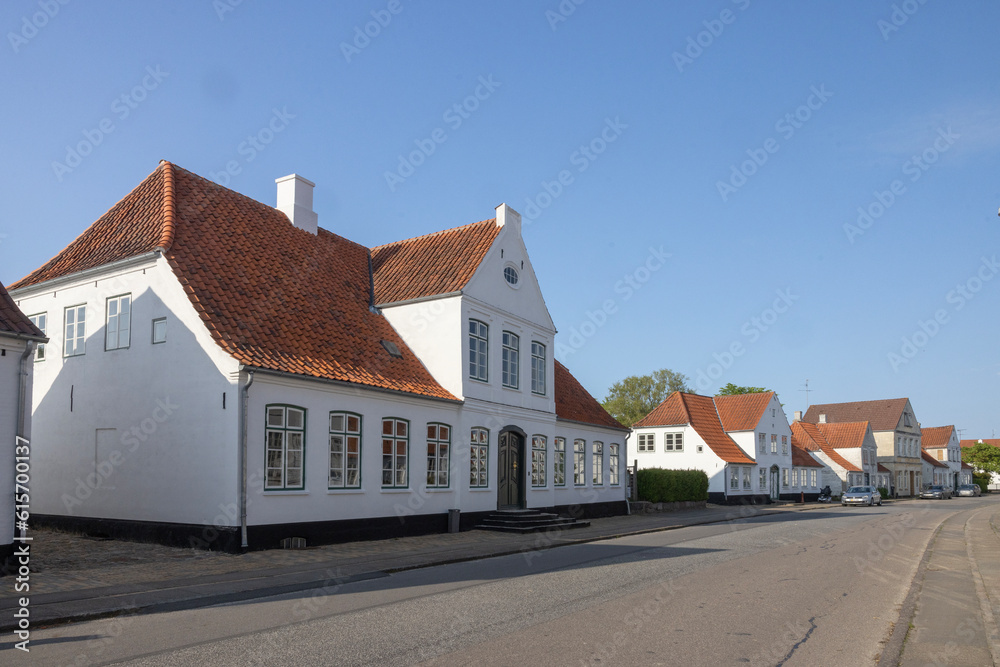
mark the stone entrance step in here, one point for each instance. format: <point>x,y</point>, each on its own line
<point>528,521</point>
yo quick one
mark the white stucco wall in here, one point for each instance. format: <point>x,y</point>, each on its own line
<point>688,459</point>
<point>11,350</point>
<point>137,433</point>
<point>435,330</point>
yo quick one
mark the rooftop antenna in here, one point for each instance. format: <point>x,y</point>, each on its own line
<point>807,390</point>
<point>960,432</point>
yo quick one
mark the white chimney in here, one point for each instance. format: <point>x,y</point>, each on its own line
<point>295,199</point>
<point>798,415</point>
<point>822,418</point>
<point>508,216</point>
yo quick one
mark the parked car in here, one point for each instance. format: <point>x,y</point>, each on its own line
<point>861,495</point>
<point>968,490</point>
<point>936,492</point>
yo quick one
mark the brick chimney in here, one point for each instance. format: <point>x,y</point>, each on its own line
<point>295,199</point>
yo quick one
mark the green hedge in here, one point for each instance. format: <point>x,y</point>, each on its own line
<point>983,481</point>
<point>884,492</point>
<point>657,485</point>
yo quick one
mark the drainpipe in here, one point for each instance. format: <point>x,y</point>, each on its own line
<point>22,397</point>
<point>244,402</point>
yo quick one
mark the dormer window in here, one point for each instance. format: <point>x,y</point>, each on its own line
<point>510,275</point>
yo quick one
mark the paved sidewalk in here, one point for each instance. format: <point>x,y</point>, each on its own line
<point>74,578</point>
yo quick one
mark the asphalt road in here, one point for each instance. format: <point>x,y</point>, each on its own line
<point>811,588</point>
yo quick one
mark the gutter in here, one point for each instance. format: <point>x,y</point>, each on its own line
<point>356,385</point>
<point>244,401</point>
<point>84,275</point>
<point>22,396</point>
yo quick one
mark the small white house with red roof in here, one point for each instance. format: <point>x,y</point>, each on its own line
<point>685,432</point>
<point>934,472</point>
<point>758,424</point>
<point>943,445</point>
<point>838,473</point>
<point>227,374</point>
<point>21,341</point>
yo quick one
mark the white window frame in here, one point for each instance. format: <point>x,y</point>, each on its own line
<point>784,478</point>
<point>579,462</point>
<point>284,447</point>
<point>162,321</point>
<point>734,479</point>
<point>614,461</point>
<point>438,455</point>
<point>747,481</point>
<point>479,458</point>
<point>647,442</point>
<point>510,357</point>
<point>75,343</point>
<point>538,368</point>
<point>812,478</point>
<point>559,462</point>
<point>41,321</point>
<point>774,443</point>
<point>396,453</point>
<point>479,350</point>
<point>597,462</point>
<point>118,322</point>
<point>762,442</point>
<point>345,450</point>
<point>763,479</point>
<point>539,461</point>
<point>673,442</point>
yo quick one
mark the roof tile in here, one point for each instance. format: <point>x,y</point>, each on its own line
<point>742,412</point>
<point>884,415</point>
<point>699,411</point>
<point>13,321</point>
<point>575,403</point>
<point>935,436</point>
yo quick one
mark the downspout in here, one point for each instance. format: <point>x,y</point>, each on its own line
<point>244,407</point>
<point>22,399</point>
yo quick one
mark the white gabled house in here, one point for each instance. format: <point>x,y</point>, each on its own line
<point>759,426</point>
<point>934,471</point>
<point>943,445</point>
<point>22,339</point>
<point>228,374</point>
<point>684,432</point>
<point>839,472</point>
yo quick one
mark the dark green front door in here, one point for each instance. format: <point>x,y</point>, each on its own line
<point>510,471</point>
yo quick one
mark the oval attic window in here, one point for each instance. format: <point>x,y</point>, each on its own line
<point>510,275</point>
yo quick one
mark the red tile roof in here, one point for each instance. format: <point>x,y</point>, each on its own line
<point>574,403</point>
<point>802,459</point>
<point>13,321</point>
<point>698,411</point>
<point>972,443</point>
<point>930,459</point>
<point>884,415</point>
<point>439,263</point>
<point>809,437</point>
<point>844,434</point>
<point>882,468</point>
<point>935,436</point>
<point>742,412</point>
<point>272,296</point>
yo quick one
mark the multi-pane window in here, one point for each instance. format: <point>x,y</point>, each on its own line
<point>795,477</point>
<point>784,444</point>
<point>345,450</point>
<point>159,330</point>
<point>812,478</point>
<point>438,455</point>
<point>763,479</point>
<point>511,359</point>
<point>746,479</point>
<point>119,325</point>
<point>774,444</point>
<point>646,442</point>
<point>559,462</point>
<point>673,442</point>
<point>597,466</point>
<point>479,456</point>
<point>579,462</point>
<point>734,478</point>
<point>762,443</point>
<point>538,456</point>
<point>537,368</point>
<point>76,331</point>
<point>478,350</point>
<point>41,321</point>
<point>784,477</point>
<point>395,449</point>
<point>613,463</point>
<point>285,437</point>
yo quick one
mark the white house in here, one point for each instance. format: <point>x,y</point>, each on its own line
<point>228,374</point>
<point>20,341</point>
<point>684,432</point>
<point>934,471</point>
<point>759,426</point>
<point>838,473</point>
<point>855,442</point>
<point>942,444</point>
<point>896,431</point>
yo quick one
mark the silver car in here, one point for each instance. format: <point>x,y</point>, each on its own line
<point>967,490</point>
<point>936,492</point>
<point>861,495</point>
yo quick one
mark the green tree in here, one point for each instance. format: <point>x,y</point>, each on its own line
<point>982,456</point>
<point>732,390</point>
<point>633,398</point>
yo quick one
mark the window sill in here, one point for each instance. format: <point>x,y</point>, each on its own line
<point>436,489</point>
<point>344,492</point>
<point>284,492</point>
<point>480,489</point>
<point>396,490</point>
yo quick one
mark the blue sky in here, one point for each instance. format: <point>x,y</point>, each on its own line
<point>740,138</point>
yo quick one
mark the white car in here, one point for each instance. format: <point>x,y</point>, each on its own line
<point>861,495</point>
